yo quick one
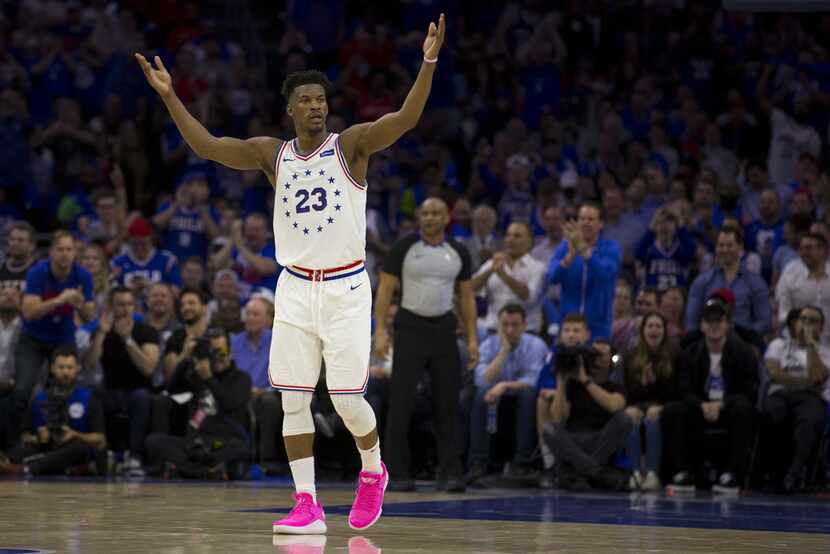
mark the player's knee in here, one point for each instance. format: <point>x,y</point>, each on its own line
<point>297,419</point>
<point>356,413</point>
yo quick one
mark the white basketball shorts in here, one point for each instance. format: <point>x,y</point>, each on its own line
<point>322,315</point>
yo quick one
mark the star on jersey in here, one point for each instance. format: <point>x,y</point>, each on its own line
<point>305,209</point>
<point>294,176</point>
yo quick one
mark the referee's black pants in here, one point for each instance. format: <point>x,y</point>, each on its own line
<point>424,344</point>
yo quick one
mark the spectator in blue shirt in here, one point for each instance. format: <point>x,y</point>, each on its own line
<point>509,367</point>
<point>57,289</point>
<point>142,265</point>
<point>251,352</point>
<point>752,310</point>
<point>189,222</point>
<point>586,265</point>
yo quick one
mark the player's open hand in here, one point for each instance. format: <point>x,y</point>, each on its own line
<point>435,39</point>
<point>158,77</point>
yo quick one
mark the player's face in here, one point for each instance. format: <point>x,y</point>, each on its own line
<point>433,217</point>
<point>308,107</point>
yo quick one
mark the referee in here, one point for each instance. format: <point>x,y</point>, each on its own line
<point>426,266</point>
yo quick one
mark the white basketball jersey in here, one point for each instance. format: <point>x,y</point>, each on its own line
<point>319,209</point>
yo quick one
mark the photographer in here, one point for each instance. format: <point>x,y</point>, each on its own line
<point>64,424</point>
<point>589,425</point>
<point>217,442</point>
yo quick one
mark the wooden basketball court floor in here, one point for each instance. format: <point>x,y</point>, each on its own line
<point>98,516</point>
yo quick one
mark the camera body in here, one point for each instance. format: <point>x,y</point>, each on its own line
<point>568,359</point>
<point>57,414</point>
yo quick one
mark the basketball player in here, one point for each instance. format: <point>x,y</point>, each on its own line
<point>323,298</point>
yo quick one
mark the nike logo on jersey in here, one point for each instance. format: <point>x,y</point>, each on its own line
<point>288,159</point>
<point>355,286</point>
<point>329,152</point>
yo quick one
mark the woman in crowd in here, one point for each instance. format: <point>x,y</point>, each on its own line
<point>93,260</point>
<point>648,378</point>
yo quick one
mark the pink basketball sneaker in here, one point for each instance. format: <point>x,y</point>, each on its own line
<point>368,502</point>
<point>306,518</point>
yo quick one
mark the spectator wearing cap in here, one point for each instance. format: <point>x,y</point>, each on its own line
<point>586,265</point>
<point>752,307</point>
<point>142,264</point>
<point>57,290</point>
<point>806,281</point>
<point>797,394</point>
<point>249,253</point>
<point>666,252</point>
<point>188,222</point>
<point>517,201</point>
<point>717,382</point>
<point>512,276</point>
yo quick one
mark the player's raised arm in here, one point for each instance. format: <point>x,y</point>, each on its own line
<point>380,134</point>
<point>254,153</point>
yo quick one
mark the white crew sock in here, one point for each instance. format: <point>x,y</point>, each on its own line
<point>371,458</point>
<point>303,473</point>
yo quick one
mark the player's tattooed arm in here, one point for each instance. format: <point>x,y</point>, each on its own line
<point>253,153</point>
<point>367,138</point>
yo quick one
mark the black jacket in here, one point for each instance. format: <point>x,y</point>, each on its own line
<point>739,365</point>
<point>228,394</point>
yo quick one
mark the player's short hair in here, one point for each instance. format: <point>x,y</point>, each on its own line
<point>300,78</point>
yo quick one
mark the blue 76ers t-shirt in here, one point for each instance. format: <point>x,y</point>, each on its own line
<point>161,267</point>
<point>58,326</point>
<point>186,234</point>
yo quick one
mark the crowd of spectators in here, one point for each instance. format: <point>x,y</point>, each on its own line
<point>650,178</point>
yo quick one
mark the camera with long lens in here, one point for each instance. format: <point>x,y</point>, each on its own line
<point>568,359</point>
